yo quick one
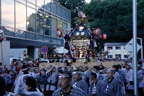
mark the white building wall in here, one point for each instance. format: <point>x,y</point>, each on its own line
<point>5,52</point>
<point>19,53</point>
<point>115,51</point>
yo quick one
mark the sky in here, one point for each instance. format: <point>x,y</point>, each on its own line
<point>88,1</point>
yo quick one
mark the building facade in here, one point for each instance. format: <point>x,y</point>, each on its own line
<point>116,50</point>
<point>36,20</point>
<point>31,24</point>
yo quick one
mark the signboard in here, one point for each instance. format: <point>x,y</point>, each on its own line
<point>44,49</point>
<point>129,47</point>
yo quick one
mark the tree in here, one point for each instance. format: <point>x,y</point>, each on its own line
<point>114,17</point>
<point>74,6</point>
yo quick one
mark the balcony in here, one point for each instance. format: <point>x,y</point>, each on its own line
<point>20,38</point>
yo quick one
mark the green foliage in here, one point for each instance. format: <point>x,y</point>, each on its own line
<point>141,14</point>
<point>74,6</point>
<point>114,17</point>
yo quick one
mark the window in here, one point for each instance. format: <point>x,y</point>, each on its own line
<point>110,56</point>
<point>31,19</point>
<point>20,16</point>
<point>54,27</point>
<point>109,48</point>
<point>59,10</point>
<point>65,13</point>
<point>118,48</point>
<point>47,25</point>
<point>53,7</point>
<point>125,56</point>
<point>40,22</point>
<point>69,15</point>
<point>65,27</point>
<point>31,3</point>
<point>60,27</point>
<point>40,3</point>
<point>7,13</point>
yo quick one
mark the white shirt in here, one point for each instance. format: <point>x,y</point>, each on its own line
<point>20,84</point>
<point>129,77</point>
<point>140,78</point>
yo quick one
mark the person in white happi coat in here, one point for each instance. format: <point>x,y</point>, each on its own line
<point>52,80</point>
<point>140,78</point>
<point>120,78</point>
<point>129,84</point>
<point>20,84</point>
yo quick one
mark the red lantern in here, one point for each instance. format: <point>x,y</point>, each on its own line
<point>65,56</point>
<point>59,33</point>
<point>15,63</point>
<point>80,14</point>
<point>1,35</point>
<point>104,36</point>
<point>98,30</point>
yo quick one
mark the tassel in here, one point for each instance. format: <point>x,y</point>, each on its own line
<point>71,42</point>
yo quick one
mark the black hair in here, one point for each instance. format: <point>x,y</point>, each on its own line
<point>5,66</point>
<point>60,70</point>
<point>31,82</point>
<point>140,62</point>
<point>2,86</point>
<point>67,63</point>
<point>101,67</point>
<point>24,67</point>
<point>7,71</point>
<point>96,67</point>
<point>67,73</point>
<point>94,75</point>
<point>116,66</point>
<point>0,63</point>
<point>119,66</point>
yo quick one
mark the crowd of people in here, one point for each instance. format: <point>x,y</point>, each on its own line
<point>29,79</point>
